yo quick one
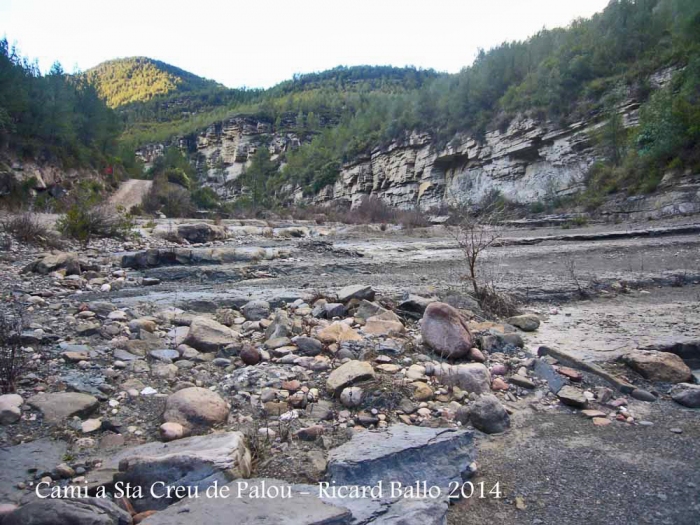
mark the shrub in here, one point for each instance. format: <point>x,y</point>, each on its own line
<point>205,199</point>
<point>169,199</point>
<point>83,222</point>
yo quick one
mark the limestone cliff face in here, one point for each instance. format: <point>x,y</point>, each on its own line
<point>527,162</point>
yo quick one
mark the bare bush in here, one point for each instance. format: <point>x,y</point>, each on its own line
<point>13,360</point>
<point>582,290</point>
<point>26,228</point>
<point>475,232</point>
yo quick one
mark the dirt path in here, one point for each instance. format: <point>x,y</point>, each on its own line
<point>130,193</point>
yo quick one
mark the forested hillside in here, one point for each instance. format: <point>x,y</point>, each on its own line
<point>54,117</point>
<point>136,79</point>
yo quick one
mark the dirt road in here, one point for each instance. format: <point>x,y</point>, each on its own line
<point>130,193</point>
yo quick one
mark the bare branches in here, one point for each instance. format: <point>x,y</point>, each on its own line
<point>13,360</point>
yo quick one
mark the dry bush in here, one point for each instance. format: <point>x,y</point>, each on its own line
<point>13,360</point>
<point>26,228</point>
<point>475,232</point>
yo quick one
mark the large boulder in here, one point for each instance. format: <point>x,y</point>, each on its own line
<point>55,511</point>
<point>470,377</point>
<point>348,374</point>
<point>445,331</point>
<point>207,335</point>
<point>60,406</point>
<point>686,394</point>
<point>195,407</point>
<point>198,461</point>
<point>41,455</point>
<point>488,415</point>
<point>658,366</point>
<point>51,262</point>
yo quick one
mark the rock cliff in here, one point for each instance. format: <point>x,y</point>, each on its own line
<point>528,162</point>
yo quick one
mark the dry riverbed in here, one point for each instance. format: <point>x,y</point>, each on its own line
<point>296,350</point>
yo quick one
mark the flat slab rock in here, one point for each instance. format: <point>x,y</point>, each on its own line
<point>42,455</point>
<point>436,455</point>
<point>302,507</point>
<point>198,461</point>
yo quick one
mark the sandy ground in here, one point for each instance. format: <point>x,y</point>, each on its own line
<point>130,193</point>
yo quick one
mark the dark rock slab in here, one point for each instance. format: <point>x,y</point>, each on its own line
<point>544,370</point>
<point>402,453</point>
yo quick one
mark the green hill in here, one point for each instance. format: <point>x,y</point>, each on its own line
<point>137,79</point>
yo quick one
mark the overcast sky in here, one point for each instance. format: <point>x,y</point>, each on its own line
<point>257,43</point>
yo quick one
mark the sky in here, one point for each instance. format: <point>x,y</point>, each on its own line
<point>258,43</point>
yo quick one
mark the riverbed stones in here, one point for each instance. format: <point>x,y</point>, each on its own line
<point>445,331</point>
<point>658,366</point>
<point>488,415</point>
<point>686,394</point>
<point>377,326</point>
<point>195,407</point>
<point>10,408</point>
<point>59,406</point>
<point>171,431</point>
<point>55,511</point>
<point>348,374</point>
<point>526,322</point>
<point>207,335</point>
<point>280,326</point>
